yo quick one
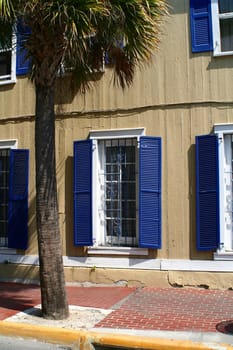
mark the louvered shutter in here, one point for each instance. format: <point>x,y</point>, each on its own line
<point>18,199</point>
<point>207,192</point>
<point>83,193</point>
<point>201,25</point>
<point>22,62</point>
<point>150,192</point>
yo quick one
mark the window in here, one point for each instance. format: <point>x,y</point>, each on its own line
<point>13,59</point>
<point>214,154</point>
<point>13,196</point>
<point>117,184</point>
<point>212,26</point>
<point>117,190</point>
<point>225,146</point>
<point>4,194</point>
<point>8,63</point>
<point>222,13</point>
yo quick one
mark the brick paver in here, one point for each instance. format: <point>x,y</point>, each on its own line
<point>15,297</point>
<point>172,309</point>
<point>181,309</point>
<point>100,297</point>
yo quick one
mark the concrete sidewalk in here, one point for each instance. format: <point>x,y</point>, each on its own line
<point>182,314</point>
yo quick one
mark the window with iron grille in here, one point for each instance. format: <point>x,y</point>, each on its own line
<point>4,195</point>
<point>118,180</point>
<point>117,189</point>
<point>14,172</point>
<point>214,195</point>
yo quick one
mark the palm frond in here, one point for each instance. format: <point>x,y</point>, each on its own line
<point>6,9</point>
<point>60,30</point>
<point>138,24</point>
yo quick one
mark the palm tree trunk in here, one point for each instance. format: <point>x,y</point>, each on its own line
<point>53,292</point>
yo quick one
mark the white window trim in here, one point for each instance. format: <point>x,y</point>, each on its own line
<point>122,251</point>
<point>220,130</point>
<point>9,144</point>
<point>12,79</point>
<point>96,135</point>
<point>116,134</point>
<point>216,29</point>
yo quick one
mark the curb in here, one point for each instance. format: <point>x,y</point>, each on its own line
<point>84,339</point>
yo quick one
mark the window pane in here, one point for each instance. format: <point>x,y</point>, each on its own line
<point>5,63</point>
<point>112,172</point>
<point>128,172</point>
<point>120,192</point>
<point>4,187</point>
<point>112,191</point>
<point>226,29</point>
<point>129,228</point>
<point>5,55</point>
<point>225,6</point>
<point>128,191</point>
<point>128,209</point>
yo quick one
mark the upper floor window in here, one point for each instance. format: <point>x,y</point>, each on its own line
<point>13,58</point>
<point>212,26</point>
<point>222,15</point>
<point>8,62</point>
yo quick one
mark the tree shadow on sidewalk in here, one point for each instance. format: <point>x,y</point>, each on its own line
<point>18,297</point>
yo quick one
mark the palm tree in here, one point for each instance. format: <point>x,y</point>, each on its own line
<point>60,34</point>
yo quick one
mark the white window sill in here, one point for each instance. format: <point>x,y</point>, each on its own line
<point>118,251</point>
<point>7,82</point>
<point>221,54</point>
<point>226,256</point>
<point>7,251</point>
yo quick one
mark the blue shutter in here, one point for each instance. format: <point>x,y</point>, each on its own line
<point>201,25</point>
<point>107,58</point>
<point>83,193</point>
<point>23,63</point>
<point>207,192</point>
<point>150,192</point>
<point>18,199</point>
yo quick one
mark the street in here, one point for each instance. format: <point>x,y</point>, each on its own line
<point>13,343</point>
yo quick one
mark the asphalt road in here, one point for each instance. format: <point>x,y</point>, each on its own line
<point>15,343</point>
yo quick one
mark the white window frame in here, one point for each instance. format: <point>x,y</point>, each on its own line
<point>11,78</point>
<point>98,135</point>
<point>224,252</point>
<point>216,16</point>
<point>13,144</point>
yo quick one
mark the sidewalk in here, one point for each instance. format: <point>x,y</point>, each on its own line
<point>181,313</point>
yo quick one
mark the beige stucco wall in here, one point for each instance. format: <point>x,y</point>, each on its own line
<point>124,277</point>
<point>177,128</point>
<point>174,77</point>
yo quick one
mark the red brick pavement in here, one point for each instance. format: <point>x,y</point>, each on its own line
<point>172,309</point>
<point>15,297</point>
<point>180,309</point>
<point>99,297</point>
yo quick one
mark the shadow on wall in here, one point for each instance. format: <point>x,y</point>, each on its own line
<point>71,250</point>
<point>194,253</point>
<point>13,273</point>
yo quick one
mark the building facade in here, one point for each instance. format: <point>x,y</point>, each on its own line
<point>144,175</point>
